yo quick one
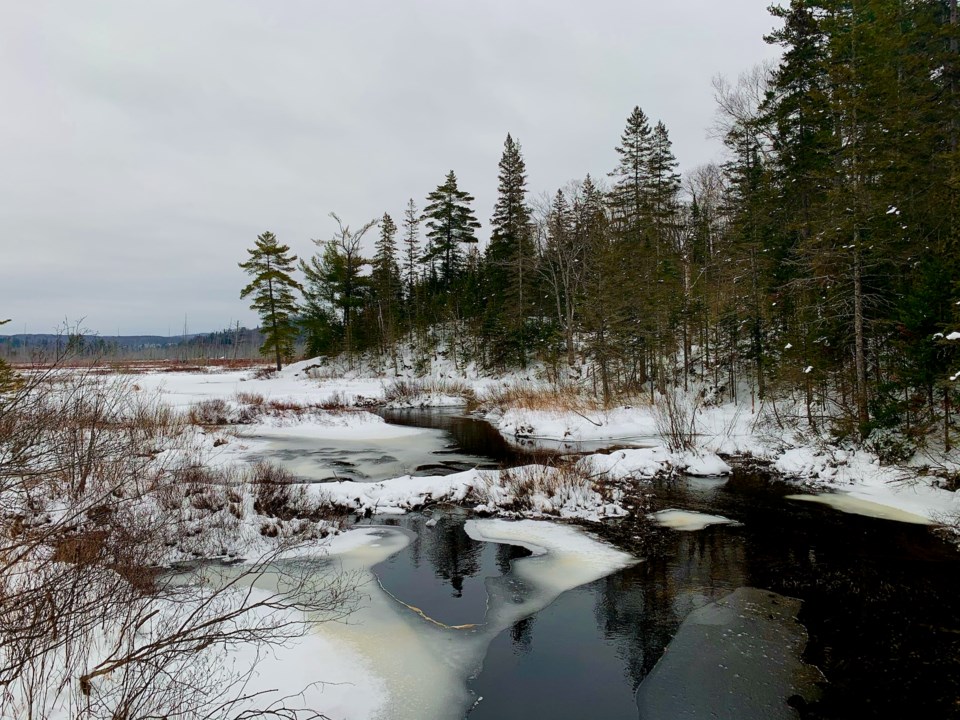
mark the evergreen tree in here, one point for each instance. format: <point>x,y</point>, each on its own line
<point>334,288</point>
<point>270,266</point>
<point>411,246</point>
<point>450,223</point>
<point>630,195</point>
<point>664,193</point>
<point>385,273</point>
<point>510,257</point>
<point>385,282</point>
<point>7,376</point>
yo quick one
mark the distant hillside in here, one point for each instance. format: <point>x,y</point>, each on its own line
<point>127,342</point>
<point>236,343</point>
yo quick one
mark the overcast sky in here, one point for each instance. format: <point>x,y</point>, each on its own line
<point>145,143</point>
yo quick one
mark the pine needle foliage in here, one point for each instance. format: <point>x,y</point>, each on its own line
<point>272,286</point>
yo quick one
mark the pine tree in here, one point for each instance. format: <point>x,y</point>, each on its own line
<point>411,246</point>
<point>385,282</point>
<point>272,287</point>
<point>450,222</point>
<point>335,289</point>
<point>510,257</point>
<point>630,195</point>
<point>385,274</point>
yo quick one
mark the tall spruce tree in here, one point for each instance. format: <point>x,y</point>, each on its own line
<point>411,247</point>
<point>630,194</point>
<point>385,271</point>
<point>510,258</point>
<point>664,193</point>
<point>385,282</point>
<point>270,266</point>
<point>450,222</point>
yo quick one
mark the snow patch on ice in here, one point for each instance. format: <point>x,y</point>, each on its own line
<point>687,520</point>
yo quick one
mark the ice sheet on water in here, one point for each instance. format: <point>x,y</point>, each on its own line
<point>739,657</point>
<point>858,506</point>
<point>687,519</point>
<point>400,665</point>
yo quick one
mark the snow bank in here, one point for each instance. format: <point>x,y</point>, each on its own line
<point>532,491</point>
<point>654,461</point>
<point>350,425</point>
<point>182,390</point>
<point>616,424</point>
<point>861,485</point>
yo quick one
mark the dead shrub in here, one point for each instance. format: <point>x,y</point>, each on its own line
<point>250,398</point>
<point>676,419</point>
<point>336,401</point>
<point>558,484</point>
<point>276,493</point>
<point>285,407</point>
<point>82,549</point>
<point>209,499</point>
<point>214,411</point>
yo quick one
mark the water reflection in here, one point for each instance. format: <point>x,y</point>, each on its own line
<point>443,571</point>
<point>471,436</point>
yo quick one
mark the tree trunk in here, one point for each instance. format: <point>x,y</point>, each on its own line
<point>273,322</point>
<point>859,340</point>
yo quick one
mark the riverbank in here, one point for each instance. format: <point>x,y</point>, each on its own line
<point>297,402</point>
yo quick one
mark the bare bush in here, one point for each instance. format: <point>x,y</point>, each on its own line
<point>250,398</point>
<point>675,413</point>
<point>210,412</point>
<point>97,494</point>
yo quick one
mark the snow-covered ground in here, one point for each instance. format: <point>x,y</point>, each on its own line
<point>364,662</point>
<point>729,429</point>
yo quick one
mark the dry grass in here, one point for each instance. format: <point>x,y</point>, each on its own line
<point>559,483</point>
<point>250,398</point>
<point>415,391</point>
<point>215,411</point>
<point>556,398</point>
<point>248,408</point>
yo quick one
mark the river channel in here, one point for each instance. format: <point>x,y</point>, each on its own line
<point>879,600</point>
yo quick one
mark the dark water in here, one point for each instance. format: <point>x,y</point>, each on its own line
<point>442,572</point>
<point>470,435</point>
<point>476,437</point>
<point>881,604</point>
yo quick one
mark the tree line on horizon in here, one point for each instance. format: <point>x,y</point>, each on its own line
<point>818,259</point>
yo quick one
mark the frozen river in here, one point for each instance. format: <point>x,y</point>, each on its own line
<point>471,621</point>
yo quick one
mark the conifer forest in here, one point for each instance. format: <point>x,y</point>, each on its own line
<point>817,261</point>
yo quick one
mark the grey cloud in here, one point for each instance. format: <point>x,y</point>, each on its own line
<point>147,144</point>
